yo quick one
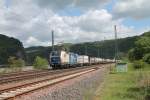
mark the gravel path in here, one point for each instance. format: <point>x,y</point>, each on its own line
<point>80,88</point>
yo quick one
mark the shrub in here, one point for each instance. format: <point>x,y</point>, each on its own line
<point>135,54</point>
<point>138,64</point>
<point>15,63</point>
<point>146,58</point>
<point>40,63</point>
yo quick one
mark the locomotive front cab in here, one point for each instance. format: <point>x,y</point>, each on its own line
<point>55,58</point>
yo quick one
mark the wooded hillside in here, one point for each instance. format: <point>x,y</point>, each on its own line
<point>105,49</point>
<point>10,47</point>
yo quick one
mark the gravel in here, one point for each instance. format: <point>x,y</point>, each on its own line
<point>79,88</point>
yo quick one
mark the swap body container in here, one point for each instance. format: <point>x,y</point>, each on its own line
<point>82,59</point>
<point>92,60</point>
<point>64,58</point>
<point>73,58</point>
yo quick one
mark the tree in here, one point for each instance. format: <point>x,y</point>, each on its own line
<point>10,47</point>
<point>135,54</point>
<point>144,43</point>
<point>146,58</point>
<point>15,63</point>
<point>141,49</point>
<point>40,63</point>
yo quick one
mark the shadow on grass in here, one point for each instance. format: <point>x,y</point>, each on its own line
<point>137,92</point>
<point>148,94</point>
<point>135,89</point>
<point>111,72</point>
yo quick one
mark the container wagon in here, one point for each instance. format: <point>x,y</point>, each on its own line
<point>83,60</point>
<point>73,59</point>
<point>92,60</point>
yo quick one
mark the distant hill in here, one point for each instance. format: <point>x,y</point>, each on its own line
<point>10,47</point>
<point>13,47</point>
<point>105,49</point>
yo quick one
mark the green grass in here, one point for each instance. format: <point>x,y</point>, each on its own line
<point>132,85</point>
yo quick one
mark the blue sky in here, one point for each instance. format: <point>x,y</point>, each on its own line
<point>70,12</point>
<point>136,23</point>
<point>7,3</point>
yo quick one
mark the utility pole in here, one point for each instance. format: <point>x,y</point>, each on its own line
<point>116,44</point>
<point>85,49</point>
<point>104,49</point>
<point>98,52</point>
<point>52,40</point>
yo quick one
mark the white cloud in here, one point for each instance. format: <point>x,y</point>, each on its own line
<point>137,9</point>
<point>32,40</point>
<point>82,4</point>
<point>33,24</point>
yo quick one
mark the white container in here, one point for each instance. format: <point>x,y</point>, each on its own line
<point>86,59</point>
<point>92,60</point>
<point>82,59</point>
<point>64,56</point>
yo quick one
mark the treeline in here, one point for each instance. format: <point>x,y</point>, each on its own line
<point>138,45</point>
<point>10,47</point>
<point>104,49</point>
<point>141,51</point>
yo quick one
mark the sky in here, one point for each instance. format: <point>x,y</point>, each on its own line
<point>73,21</point>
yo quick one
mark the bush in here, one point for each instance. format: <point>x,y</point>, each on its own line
<point>138,64</point>
<point>135,54</point>
<point>146,58</point>
<point>15,63</point>
<point>40,63</point>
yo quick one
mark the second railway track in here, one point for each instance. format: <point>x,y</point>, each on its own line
<point>15,77</point>
<point>19,77</point>
<point>26,88</point>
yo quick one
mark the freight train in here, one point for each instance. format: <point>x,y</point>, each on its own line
<point>63,59</point>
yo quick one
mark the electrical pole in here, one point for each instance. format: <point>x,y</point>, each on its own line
<point>104,49</point>
<point>85,49</point>
<point>101,51</point>
<point>116,44</point>
<point>52,40</point>
<point>98,52</point>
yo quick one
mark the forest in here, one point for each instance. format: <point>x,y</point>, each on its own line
<point>10,46</point>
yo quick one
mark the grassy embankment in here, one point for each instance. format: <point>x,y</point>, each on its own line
<point>132,85</point>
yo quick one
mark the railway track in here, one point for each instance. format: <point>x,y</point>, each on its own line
<point>26,75</point>
<point>5,87</point>
<point>19,73</point>
<point>23,76</point>
<point>15,91</point>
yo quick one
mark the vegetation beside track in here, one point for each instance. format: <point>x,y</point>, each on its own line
<point>40,63</point>
<point>131,85</point>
